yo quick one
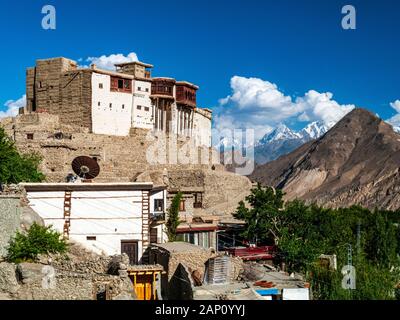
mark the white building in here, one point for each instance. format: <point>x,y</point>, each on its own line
<point>142,107</point>
<point>107,218</point>
<point>113,102</point>
<point>111,109</point>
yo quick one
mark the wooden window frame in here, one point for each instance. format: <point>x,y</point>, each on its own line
<point>115,85</point>
<point>182,205</point>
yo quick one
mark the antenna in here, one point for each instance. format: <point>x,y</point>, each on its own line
<point>86,167</point>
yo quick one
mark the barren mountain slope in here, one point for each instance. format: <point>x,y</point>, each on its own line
<point>356,162</point>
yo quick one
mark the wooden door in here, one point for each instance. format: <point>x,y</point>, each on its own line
<point>131,249</point>
<point>153,235</point>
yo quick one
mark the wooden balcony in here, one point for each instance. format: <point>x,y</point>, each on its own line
<point>162,87</point>
<point>186,94</point>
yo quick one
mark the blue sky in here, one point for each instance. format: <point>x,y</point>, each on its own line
<point>299,46</point>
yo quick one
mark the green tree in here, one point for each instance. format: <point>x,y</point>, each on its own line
<point>303,232</point>
<point>16,167</point>
<point>38,240</point>
<point>173,217</point>
<point>263,219</point>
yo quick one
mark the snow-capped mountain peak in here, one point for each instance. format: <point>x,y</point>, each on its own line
<point>283,140</point>
<point>314,130</point>
<point>281,132</point>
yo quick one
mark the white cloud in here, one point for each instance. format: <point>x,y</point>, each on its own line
<point>396,105</point>
<point>259,104</point>
<point>108,62</point>
<point>12,107</point>
<point>321,107</point>
<point>395,120</point>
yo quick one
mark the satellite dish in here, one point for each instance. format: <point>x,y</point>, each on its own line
<point>86,167</point>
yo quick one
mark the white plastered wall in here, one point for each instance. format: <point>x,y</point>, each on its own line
<point>110,216</point>
<point>114,120</point>
<point>142,118</point>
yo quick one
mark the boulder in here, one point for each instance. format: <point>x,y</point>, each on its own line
<point>8,278</point>
<point>29,273</point>
<point>29,217</point>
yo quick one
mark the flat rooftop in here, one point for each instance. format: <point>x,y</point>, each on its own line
<point>179,247</point>
<point>87,186</point>
<point>146,65</point>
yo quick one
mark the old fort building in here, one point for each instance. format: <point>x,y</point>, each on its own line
<point>114,102</point>
<point>137,128</point>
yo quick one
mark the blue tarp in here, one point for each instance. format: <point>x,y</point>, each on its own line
<point>267,292</point>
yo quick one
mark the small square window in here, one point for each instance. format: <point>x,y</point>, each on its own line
<point>146,108</point>
<point>147,89</point>
<point>100,86</point>
<point>139,107</point>
<point>158,205</point>
<point>139,88</point>
<point>29,136</point>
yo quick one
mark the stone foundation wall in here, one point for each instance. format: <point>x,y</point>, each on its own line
<point>138,157</point>
<point>120,158</point>
<point>75,278</point>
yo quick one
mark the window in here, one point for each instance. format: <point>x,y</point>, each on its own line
<point>123,106</point>
<point>121,85</point>
<point>146,109</point>
<point>99,103</point>
<point>110,106</point>
<point>139,107</point>
<point>29,136</point>
<point>91,238</point>
<point>182,205</point>
<point>147,89</point>
<point>158,205</point>
<point>198,200</point>
<point>100,86</point>
<point>139,88</point>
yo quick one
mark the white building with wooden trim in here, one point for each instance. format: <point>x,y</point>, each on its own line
<point>107,218</point>
<point>113,102</point>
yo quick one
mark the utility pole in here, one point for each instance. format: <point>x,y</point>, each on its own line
<point>350,263</point>
<point>349,255</point>
<point>358,240</point>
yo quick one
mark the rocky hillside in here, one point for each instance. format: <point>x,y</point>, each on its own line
<point>356,162</point>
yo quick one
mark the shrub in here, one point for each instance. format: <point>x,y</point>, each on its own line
<point>38,240</point>
<point>16,167</point>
